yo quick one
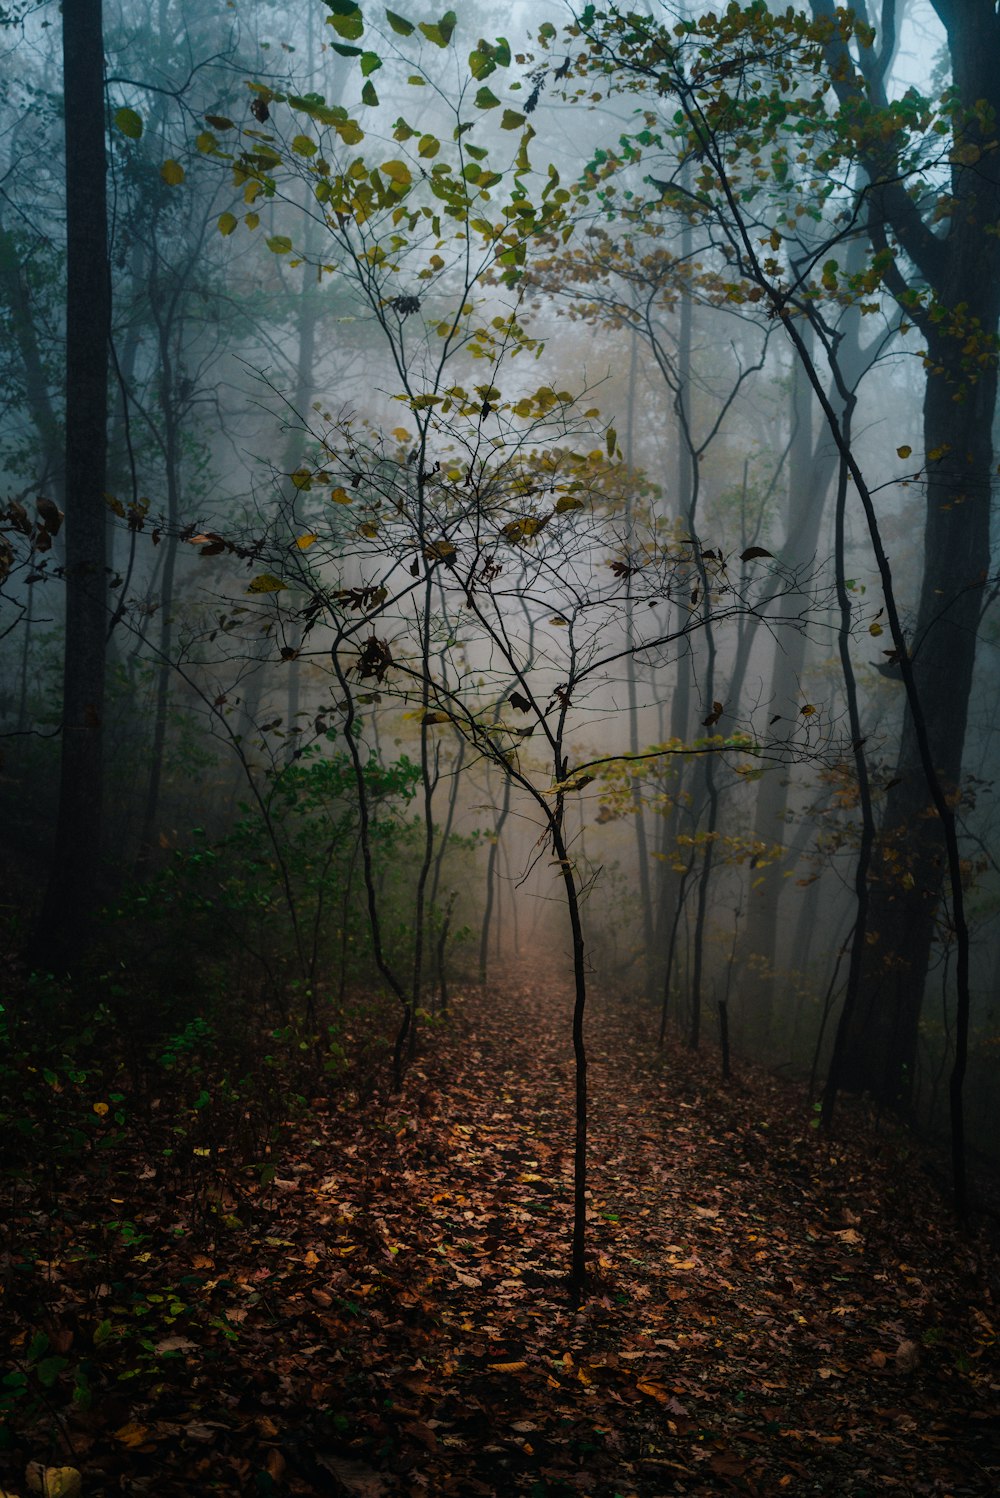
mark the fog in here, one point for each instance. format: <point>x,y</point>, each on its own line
<point>493,450</point>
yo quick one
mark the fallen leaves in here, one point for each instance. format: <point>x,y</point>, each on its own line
<point>389,1314</point>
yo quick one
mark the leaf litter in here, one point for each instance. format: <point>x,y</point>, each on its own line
<point>769,1311</point>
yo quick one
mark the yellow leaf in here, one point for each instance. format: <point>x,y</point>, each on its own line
<point>227,223</point>
<point>875,629</point>
<point>172,173</point>
<point>304,542</point>
<point>397,172</point>
<point>369,529</point>
<point>101,1109</point>
<point>266,583</point>
<point>131,1434</point>
<point>655,1391</point>
<point>903,452</point>
<point>807,711</point>
<point>52,1482</point>
<point>340,497</point>
<point>508,1367</point>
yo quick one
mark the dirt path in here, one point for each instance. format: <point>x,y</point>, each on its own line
<point>771,1314</point>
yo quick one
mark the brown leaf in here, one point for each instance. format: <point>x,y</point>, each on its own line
<point>357,1480</point>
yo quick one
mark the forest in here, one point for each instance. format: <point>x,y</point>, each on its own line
<point>498,732</point>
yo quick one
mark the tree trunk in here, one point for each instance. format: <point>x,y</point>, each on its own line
<point>807,487</point>
<point>954,299</point>
<point>74,878</point>
<point>881,1048</point>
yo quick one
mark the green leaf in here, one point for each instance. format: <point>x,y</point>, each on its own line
<point>347,20</point>
<point>278,244</point>
<point>487,99</point>
<point>511,120</point>
<point>480,65</point>
<point>368,94</point>
<point>399,24</point>
<point>267,583</point>
<point>428,146</point>
<point>49,1369</point>
<point>440,34</point>
<point>227,223</point>
<point>370,63</point>
<point>342,50</point>
<point>129,123</point>
<point>303,146</point>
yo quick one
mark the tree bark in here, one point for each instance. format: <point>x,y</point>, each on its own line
<point>909,865</point>
<point>75,872</point>
<point>960,265</point>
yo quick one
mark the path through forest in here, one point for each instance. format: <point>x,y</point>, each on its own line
<point>771,1313</point>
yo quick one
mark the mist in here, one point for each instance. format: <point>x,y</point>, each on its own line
<point>495,504</point>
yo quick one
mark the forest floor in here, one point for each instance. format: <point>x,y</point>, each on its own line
<point>771,1313</point>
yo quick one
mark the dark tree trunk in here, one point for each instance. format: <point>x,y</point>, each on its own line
<point>909,866</point>
<point>954,299</point>
<point>74,879</point>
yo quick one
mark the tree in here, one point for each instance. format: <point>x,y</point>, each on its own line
<point>942,266</point>
<point>459,562</point>
<point>75,869</point>
<point>745,145</point>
